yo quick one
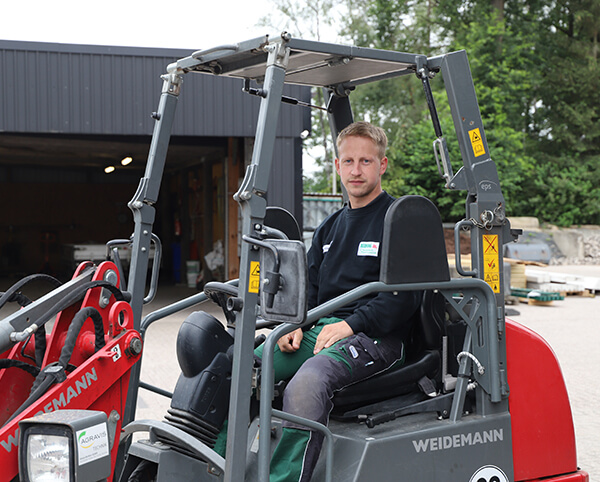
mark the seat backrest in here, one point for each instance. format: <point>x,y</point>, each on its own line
<point>413,247</point>
<point>429,326</point>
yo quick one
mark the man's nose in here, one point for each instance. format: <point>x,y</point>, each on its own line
<point>355,169</point>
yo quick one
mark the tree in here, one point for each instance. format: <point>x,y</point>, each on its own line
<point>502,72</point>
<point>566,125</point>
<point>538,85</point>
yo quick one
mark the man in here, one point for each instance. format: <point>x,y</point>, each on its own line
<point>359,340</point>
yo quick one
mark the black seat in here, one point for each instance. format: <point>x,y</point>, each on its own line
<point>413,251</point>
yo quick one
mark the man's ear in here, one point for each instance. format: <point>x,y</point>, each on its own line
<point>383,166</point>
<point>337,166</point>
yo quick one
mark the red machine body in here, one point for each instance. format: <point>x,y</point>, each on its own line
<point>542,424</point>
<point>99,381</point>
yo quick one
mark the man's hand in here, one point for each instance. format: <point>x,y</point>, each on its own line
<point>332,333</point>
<point>291,342</point>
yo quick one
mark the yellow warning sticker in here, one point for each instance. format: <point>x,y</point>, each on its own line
<point>491,261</point>
<point>491,264</point>
<point>254,278</point>
<point>476,142</point>
<point>494,281</point>
<point>490,245</point>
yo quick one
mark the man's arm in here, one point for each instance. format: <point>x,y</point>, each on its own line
<point>314,259</point>
<point>385,313</point>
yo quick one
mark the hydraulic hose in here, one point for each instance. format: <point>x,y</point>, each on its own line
<point>8,363</point>
<point>20,299</point>
<point>12,293</point>
<point>73,332</point>
<point>45,378</point>
<point>76,295</point>
<point>40,345</point>
<point>40,334</point>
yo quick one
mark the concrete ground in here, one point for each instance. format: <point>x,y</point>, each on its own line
<point>571,326</point>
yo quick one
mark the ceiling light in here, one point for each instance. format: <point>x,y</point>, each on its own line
<point>109,169</point>
<point>126,161</point>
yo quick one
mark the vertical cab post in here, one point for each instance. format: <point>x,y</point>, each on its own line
<point>251,197</point>
<point>142,206</point>
<point>490,229</point>
<point>340,116</point>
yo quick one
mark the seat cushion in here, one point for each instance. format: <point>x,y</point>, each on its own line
<point>391,383</point>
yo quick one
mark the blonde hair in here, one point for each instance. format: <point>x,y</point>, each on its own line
<point>365,129</point>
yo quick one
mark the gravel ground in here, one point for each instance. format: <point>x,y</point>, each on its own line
<point>591,252</point>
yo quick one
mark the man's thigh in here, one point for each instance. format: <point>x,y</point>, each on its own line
<point>287,364</point>
<point>361,357</point>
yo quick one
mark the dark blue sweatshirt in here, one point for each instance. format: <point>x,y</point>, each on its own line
<point>346,253</point>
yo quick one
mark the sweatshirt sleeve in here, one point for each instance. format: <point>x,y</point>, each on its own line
<point>314,259</point>
<point>386,313</point>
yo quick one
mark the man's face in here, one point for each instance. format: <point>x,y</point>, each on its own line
<point>360,169</point>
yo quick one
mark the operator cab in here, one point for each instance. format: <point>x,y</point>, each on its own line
<point>414,251</point>
<point>415,260</point>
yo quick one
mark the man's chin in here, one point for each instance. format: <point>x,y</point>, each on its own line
<point>360,191</point>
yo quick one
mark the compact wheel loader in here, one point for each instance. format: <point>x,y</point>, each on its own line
<point>480,397</point>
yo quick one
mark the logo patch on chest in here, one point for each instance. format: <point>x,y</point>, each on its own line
<point>368,248</point>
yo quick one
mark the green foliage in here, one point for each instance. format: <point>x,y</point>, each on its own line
<point>501,64</point>
<point>537,76</point>
<point>412,169</point>
<point>535,69</point>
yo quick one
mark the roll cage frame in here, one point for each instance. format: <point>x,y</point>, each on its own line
<point>337,69</point>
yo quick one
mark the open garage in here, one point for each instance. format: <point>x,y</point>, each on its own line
<point>75,130</point>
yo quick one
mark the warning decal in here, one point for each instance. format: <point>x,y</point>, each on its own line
<point>491,261</point>
<point>490,244</point>
<point>254,278</point>
<point>476,142</point>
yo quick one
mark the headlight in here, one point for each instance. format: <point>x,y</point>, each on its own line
<point>64,446</point>
<point>48,457</point>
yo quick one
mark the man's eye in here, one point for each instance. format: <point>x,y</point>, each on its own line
<point>366,161</point>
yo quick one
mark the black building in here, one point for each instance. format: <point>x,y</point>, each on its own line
<point>67,112</point>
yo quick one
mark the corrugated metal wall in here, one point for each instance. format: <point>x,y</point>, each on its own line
<point>70,98</point>
<point>83,89</point>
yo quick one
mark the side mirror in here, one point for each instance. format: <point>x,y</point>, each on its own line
<point>283,281</point>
